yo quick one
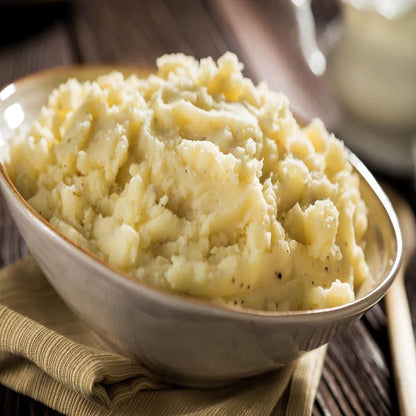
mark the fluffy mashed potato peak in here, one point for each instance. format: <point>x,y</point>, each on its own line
<point>199,182</point>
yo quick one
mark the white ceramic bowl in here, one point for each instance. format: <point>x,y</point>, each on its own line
<point>188,341</point>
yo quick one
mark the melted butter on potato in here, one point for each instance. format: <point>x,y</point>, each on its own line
<point>199,182</point>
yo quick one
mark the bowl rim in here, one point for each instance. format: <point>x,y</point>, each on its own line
<point>353,308</point>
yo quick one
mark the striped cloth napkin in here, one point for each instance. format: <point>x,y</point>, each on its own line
<point>47,353</point>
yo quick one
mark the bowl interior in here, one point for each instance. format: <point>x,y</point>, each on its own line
<point>21,102</point>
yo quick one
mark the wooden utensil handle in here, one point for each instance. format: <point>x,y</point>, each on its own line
<point>402,343</point>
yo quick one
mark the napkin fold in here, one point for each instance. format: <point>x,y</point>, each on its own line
<point>47,353</point>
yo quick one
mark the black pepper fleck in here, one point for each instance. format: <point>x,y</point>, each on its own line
<point>241,284</point>
<point>233,280</point>
<point>248,287</point>
<point>326,268</point>
<point>235,302</point>
<point>278,275</point>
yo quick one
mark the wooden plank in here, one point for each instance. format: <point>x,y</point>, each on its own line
<point>128,31</point>
<point>12,403</point>
<point>357,374</point>
<point>410,283</point>
<point>36,47</point>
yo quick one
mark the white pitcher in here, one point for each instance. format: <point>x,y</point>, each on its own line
<point>372,69</point>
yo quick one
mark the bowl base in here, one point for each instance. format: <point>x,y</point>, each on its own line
<point>169,378</point>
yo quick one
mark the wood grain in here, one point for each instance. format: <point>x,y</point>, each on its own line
<point>357,377</point>
<point>129,31</point>
<point>401,335</point>
<point>26,47</point>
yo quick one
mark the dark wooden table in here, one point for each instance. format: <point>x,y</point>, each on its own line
<point>357,377</point>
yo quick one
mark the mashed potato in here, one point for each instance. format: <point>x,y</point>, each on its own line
<point>201,183</point>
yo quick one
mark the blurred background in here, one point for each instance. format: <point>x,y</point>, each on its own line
<point>351,63</point>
